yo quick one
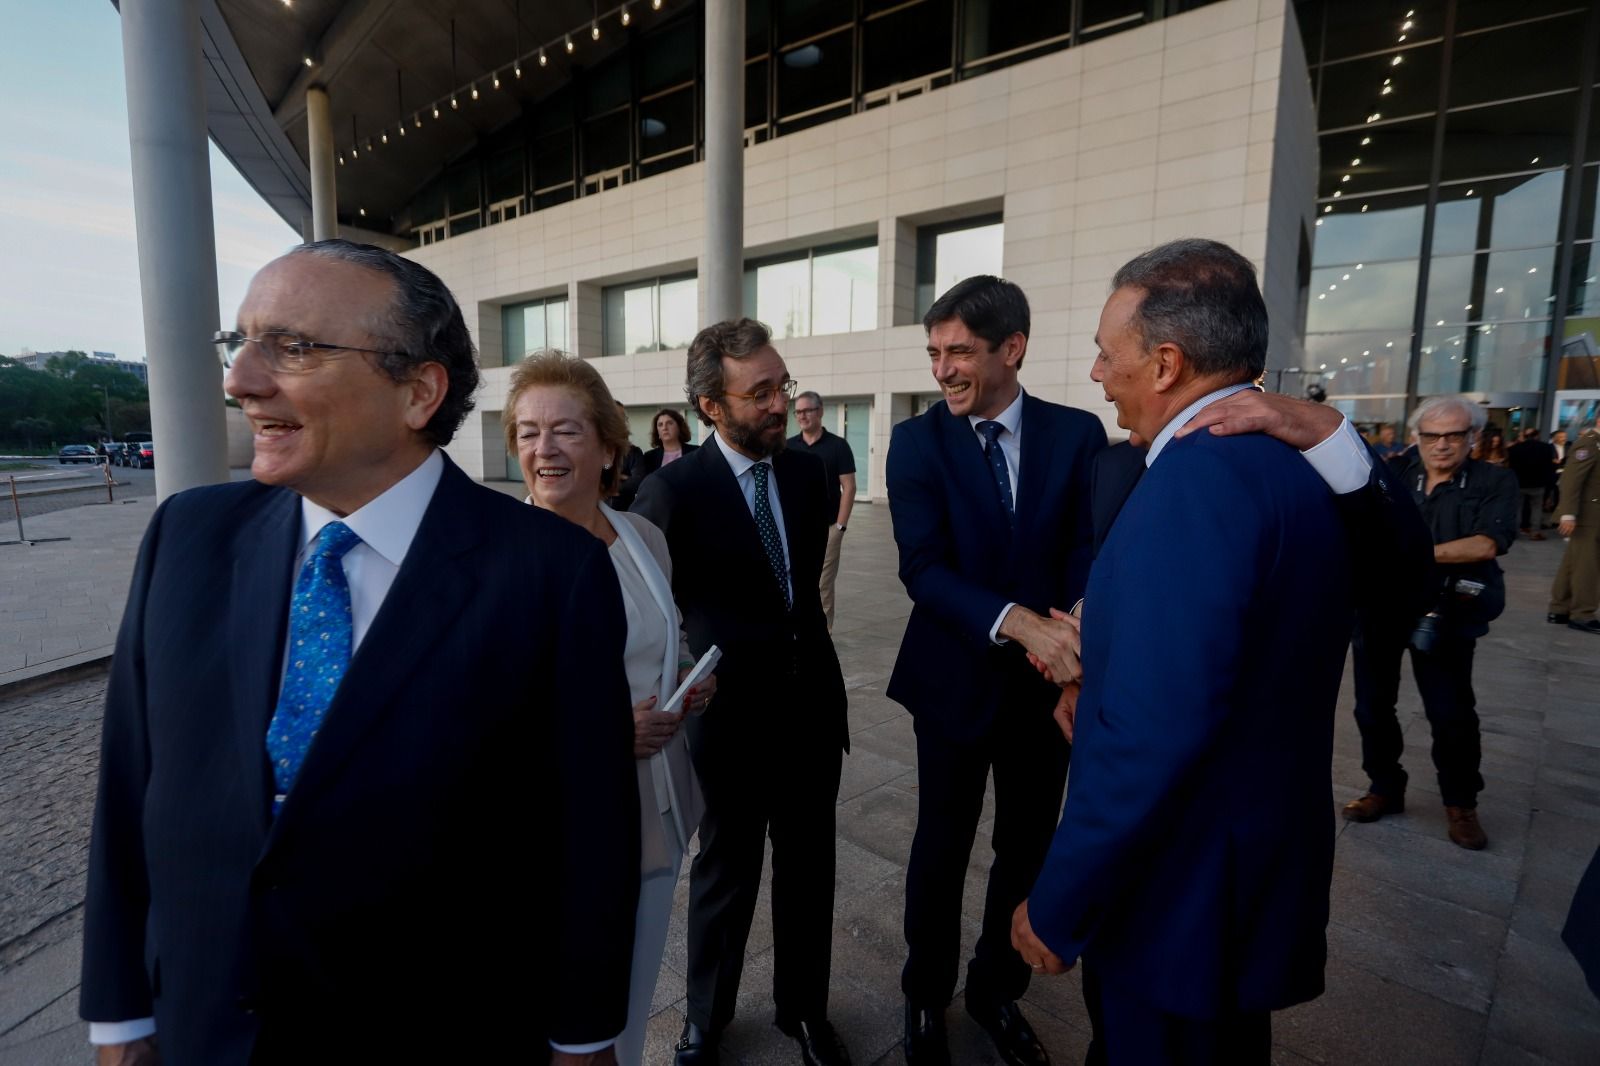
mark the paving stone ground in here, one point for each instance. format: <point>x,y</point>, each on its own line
<point>1437,955</point>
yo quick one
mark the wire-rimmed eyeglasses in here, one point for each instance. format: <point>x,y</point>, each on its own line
<point>286,353</point>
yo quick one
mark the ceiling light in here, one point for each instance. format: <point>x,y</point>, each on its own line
<point>1343,359</point>
<point>1338,193</point>
<point>363,212</point>
<point>542,60</point>
<point>1360,265</point>
<point>474,90</point>
<point>1319,221</point>
<point>496,79</point>
<point>1375,116</point>
<point>435,110</point>
<point>1366,353</point>
<point>402,129</point>
<point>1365,141</point>
<point>1356,162</point>
<point>306,61</point>
<point>355,153</point>
<point>518,68</point>
<point>1500,290</point>
<point>1322,296</point>
<point>1440,322</point>
<point>655,5</point>
<point>454,105</point>
<point>1402,38</point>
<point>341,159</point>
<point>1345,178</point>
<point>1332,287</point>
<point>1328,209</point>
<point>570,46</point>
<point>418,120</point>
<point>1323,366</point>
<point>594,31</point>
<point>1535,159</point>
<point>1469,192</point>
<point>1363,209</point>
<point>1387,89</point>
<point>1533,270</point>
<point>1406,25</point>
<point>1395,62</point>
<point>1467,308</point>
<point>626,18</point>
<point>1388,344</point>
<point>385,137</point>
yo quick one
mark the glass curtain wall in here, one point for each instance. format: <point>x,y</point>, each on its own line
<point>817,291</point>
<point>656,315</point>
<point>1440,195</point>
<point>528,327</point>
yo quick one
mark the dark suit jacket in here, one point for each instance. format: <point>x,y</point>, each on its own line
<point>1194,854</point>
<point>652,460</point>
<point>961,563</point>
<point>1391,550</point>
<point>457,864</point>
<point>729,596</point>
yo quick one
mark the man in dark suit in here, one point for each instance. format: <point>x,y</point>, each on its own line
<point>1194,854</point>
<point>747,523</point>
<point>322,772</point>
<point>988,492</point>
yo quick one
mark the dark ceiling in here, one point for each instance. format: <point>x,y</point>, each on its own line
<point>388,61</point>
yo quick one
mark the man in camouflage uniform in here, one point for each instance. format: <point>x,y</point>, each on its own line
<point>1576,592</point>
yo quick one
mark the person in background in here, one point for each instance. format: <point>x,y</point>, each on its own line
<point>1575,593</point>
<point>669,442</point>
<point>839,463</point>
<point>1533,462</point>
<point>1387,446</point>
<point>1491,447</point>
<point>629,476</point>
<point>567,435</point>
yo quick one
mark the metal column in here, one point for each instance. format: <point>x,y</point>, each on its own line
<point>723,268</point>
<point>319,139</point>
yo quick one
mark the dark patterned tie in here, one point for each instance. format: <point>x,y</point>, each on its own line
<point>768,528</point>
<point>320,633</point>
<point>997,465</point>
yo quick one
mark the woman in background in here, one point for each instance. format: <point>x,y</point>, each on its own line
<point>569,437</point>
<point>669,441</point>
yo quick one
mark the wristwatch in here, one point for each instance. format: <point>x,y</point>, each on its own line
<point>840,525</point>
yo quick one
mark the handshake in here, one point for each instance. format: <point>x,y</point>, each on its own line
<point>1054,646</point>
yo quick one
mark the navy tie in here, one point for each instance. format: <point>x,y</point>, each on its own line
<point>768,528</point>
<point>320,639</point>
<point>996,458</point>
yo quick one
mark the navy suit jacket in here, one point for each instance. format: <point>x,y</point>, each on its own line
<point>1195,850</point>
<point>961,562</point>
<point>461,842</point>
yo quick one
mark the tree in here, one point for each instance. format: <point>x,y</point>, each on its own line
<point>66,364</point>
<point>29,428</point>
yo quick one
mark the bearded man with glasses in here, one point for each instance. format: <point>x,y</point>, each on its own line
<point>1471,509</point>
<point>747,522</point>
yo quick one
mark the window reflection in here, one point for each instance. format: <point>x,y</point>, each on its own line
<point>816,292</point>
<point>1388,85</point>
<point>528,327</point>
<point>1389,228</point>
<point>1533,57</point>
<point>1364,362</point>
<point>1491,286</point>
<point>1362,295</point>
<point>1506,138</point>
<point>949,252</point>
<point>1389,156</point>
<point>678,312</point>
<point>1487,357</point>
<point>649,316</point>
<point>1352,28</point>
<point>989,27</point>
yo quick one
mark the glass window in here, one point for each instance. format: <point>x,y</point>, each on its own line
<point>1390,227</point>
<point>1589,202</point>
<point>1504,213</point>
<point>461,186</point>
<point>815,75</point>
<point>678,311</point>
<point>1385,156</point>
<point>1487,357</point>
<point>504,175</point>
<point>1097,11</point>
<point>906,44</point>
<point>649,316</point>
<point>827,290</point>
<point>552,159</point>
<point>1358,28</point>
<point>799,19</point>
<point>1584,296</point>
<point>755,94</point>
<point>606,87</point>
<point>1517,61</point>
<point>1478,14</point>
<point>1506,138</point>
<point>1360,363</point>
<point>1390,85</point>
<point>1491,286</point>
<point>989,27</point>
<point>666,123</point>
<point>757,27</point>
<point>528,327</point>
<point>949,252</point>
<point>606,142</point>
<point>1362,296</point>
<point>667,58</point>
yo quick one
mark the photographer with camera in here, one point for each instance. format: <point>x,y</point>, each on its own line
<point>1471,508</point>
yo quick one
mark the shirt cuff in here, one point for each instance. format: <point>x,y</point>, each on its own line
<point>994,630</point>
<point>585,1049</point>
<point>1568,518</point>
<point>121,1032</point>
<point>1342,460</point>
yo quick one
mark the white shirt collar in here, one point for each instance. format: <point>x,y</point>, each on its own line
<point>737,460</point>
<point>387,524</point>
<point>1010,418</point>
<point>1181,419</point>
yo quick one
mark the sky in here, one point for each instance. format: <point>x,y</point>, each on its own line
<point>69,266</point>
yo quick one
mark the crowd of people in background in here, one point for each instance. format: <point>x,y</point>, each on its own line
<point>316,746</point>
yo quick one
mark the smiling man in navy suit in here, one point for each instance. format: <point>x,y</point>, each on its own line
<point>367,786</point>
<point>1192,863</point>
<point>989,494</point>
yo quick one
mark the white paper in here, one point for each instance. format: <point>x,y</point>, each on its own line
<point>702,670</point>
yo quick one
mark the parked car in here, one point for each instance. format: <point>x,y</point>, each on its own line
<point>78,453</point>
<point>142,455</point>
<point>113,452</point>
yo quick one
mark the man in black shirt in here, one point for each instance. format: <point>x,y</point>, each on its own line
<point>1471,509</point>
<point>1534,463</point>
<point>840,463</point>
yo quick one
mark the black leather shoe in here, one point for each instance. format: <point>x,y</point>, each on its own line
<point>1013,1037</point>
<point>1591,626</point>
<point>819,1044</point>
<point>1557,619</point>
<point>696,1047</point>
<point>927,1043</point>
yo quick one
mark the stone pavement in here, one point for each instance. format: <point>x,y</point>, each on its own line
<point>1437,955</point>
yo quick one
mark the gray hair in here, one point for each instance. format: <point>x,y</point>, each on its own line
<point>1477,417</point>
<point>423,323</point>
<point>813,397</point>
<point>736,339</point>
<point>1201,296</point>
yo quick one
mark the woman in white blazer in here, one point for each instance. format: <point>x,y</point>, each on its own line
<point>568,436</point>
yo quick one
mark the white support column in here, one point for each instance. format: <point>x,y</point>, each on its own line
<point>722,269</point>
<point>177,247</point>
<point>319,138</point>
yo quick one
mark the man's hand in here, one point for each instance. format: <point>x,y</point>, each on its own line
<point>1300,424</point>
<point>141,1052</point>
<point>1066,712</point>
<point>604,1057</point>
<point>1031,948</point>
<point>1567,526</point>
<point>1053,644</point>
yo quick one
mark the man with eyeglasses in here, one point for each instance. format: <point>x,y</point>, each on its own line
<point>314,756</point>
<point>1471,509</point>
<point>746,522</point>
<point>839,467</point>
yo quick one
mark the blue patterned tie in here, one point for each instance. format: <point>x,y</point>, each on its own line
<point>997,465</point>
<point>769,532</point>
<point>319,651</point>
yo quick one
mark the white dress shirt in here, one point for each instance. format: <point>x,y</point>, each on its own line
<point>1010,442</point>
<point>741,465</point>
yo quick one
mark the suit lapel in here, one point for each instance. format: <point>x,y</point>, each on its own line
<point>1033,458</point>
<point>258,615</point>
<point>427,595</point>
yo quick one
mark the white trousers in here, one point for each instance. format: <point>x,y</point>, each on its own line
<point>649,945</point>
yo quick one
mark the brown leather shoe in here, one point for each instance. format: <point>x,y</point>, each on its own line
<point>1371,807</point>
<point>1464,828</point>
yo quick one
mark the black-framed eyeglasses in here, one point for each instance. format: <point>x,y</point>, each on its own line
<point>1457,436</point>
<point>806,410</point>
<point>286,353</point>
<point>764,397</point>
